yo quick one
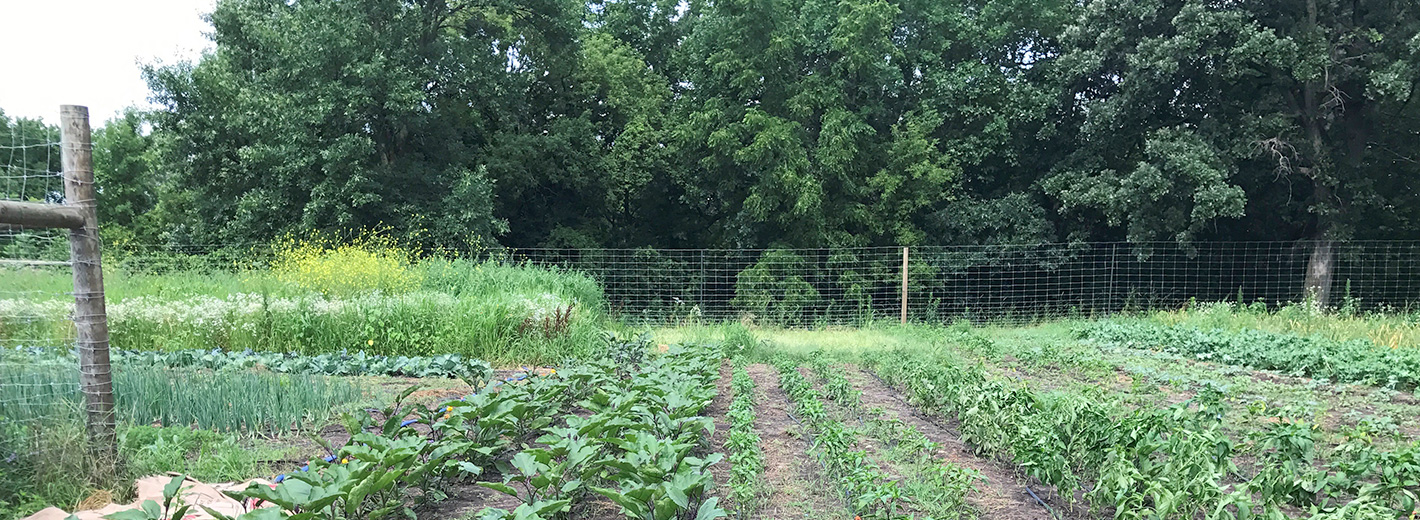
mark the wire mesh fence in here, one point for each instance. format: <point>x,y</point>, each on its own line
<point>995,283</point>
<point>39,375</point>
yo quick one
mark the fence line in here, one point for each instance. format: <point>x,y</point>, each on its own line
<point>1010,283</point>
<point>1006,283</point>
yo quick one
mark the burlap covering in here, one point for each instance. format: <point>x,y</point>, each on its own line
<point>193,493</point>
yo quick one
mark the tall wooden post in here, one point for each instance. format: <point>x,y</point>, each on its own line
<point>904,286</point>
<point>90,317</point>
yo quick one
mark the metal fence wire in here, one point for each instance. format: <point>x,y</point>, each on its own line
<point>1009,284</point>
<point>37,391</point>
<point>995,283</point>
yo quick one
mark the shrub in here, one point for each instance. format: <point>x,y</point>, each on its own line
<point>774,288</point>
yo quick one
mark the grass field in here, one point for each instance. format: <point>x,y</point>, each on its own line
<point>409,388</point>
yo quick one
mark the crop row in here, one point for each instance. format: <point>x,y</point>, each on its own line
<point>1169,463</point>
<point>633,442</point>
<point>871,492</point>
<point>836,386</point>
<point>341,363</point>
<point>40,395</point>
<point>940,487</point>
<point>746,456</point>
<point>1351,361</point>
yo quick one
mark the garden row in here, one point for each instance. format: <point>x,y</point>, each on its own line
<point>631,433</point>
<point>36,397</point>
<point>358,363</point>
<point>885,469</point>
<point>1158,463</point>
<point>1350,361</point>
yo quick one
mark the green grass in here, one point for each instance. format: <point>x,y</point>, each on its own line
<point>504,314</point>
<point>205,455</point>
<point>61,476</point>
<point>1390,330</point>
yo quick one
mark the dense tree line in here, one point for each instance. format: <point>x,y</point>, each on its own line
<point>772,123</point>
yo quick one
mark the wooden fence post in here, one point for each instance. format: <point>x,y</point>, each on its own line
<point>90,316</point>
<point>904,285</point>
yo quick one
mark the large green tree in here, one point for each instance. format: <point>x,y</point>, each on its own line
<point>29,160</point>
<point>128,180</point>
<point>335,116</point>
<point>1263,120</point>
<point>760,123</point>
<point>811,122</point>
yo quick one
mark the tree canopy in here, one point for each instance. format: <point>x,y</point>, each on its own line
<point>778,123</point>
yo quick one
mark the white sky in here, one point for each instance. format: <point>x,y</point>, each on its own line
<point>88,52</point>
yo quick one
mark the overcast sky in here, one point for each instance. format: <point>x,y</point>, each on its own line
<point>87,52</point>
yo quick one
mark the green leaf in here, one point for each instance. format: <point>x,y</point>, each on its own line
<point>153,509</point>
<point>132,514</point>
<point>265,513</point>
<point>525,464</point>
<point>500,487</point>
<point>666,509</point>
<point>635,508</point>
<point>571,485</point>
<point>216,515</point>
<point>710,510</point>
<point>367,486</point>
<point>676,495</point>
<point>171,489</point>
<point>548,507</point>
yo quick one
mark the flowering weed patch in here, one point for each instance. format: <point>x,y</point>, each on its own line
<point>367,264</point>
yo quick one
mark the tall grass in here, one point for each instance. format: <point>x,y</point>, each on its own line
<point>316,301</point>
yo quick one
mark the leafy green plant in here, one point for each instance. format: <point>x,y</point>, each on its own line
<point>151,510</point>
<point>1174,462</point>
<point>746,456</point>
<point>1357,361</point>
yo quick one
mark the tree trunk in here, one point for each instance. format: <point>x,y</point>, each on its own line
<point>1321,264</point>
<point>1320,267</point>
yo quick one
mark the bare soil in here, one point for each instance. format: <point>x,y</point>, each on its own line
<point>1001,495</point>
<point>795,484</point>
<point>716,411</point>
<point>467,499</point>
